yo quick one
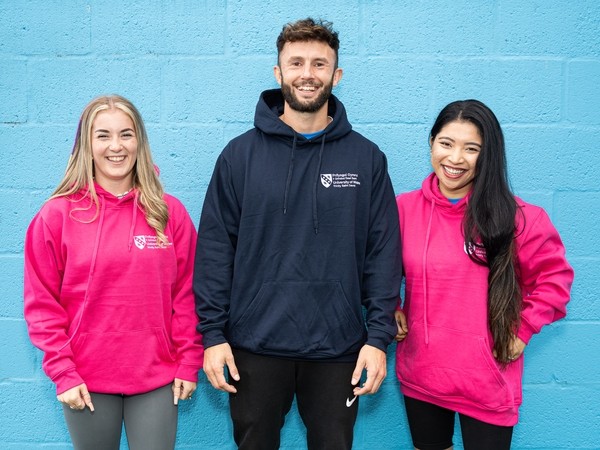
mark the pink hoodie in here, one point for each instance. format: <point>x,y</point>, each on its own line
<point>106,304</point>
<point>446,358</point>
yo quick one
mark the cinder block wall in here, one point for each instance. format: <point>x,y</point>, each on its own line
<point>195,70</point>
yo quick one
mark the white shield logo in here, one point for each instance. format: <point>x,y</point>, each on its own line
<point>140,241</point>
<point>326,179</point>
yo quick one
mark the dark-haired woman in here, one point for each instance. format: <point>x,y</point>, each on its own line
<point>484,272</point>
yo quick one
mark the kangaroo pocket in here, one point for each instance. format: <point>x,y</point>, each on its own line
<point>454,366</point>
<point>296,318</point>
<point>109,358</point>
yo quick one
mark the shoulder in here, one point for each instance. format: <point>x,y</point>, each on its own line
<point>360,142</point>
<point>59,207</point>
<point>242,140</point>
<point>410,197</point>
<point>528,213</point>
<point>532,221</point>
<point>174,204</point>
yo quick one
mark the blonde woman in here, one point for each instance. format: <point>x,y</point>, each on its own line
<point>108,287</point>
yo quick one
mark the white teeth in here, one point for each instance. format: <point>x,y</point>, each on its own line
<point>115,158</point>
<point>452,171</point>
<point>307,88</point>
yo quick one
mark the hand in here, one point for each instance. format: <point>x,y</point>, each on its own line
<point>215,359</point>
<point>77,397</point>
<point>517,347</point>
<point>373,360</point>
<point>182,390</point>
<point>402,325</point>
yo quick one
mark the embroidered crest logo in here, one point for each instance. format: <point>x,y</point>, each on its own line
<point>140,241</point>
<point>476,249</point>
<point>326,179</point>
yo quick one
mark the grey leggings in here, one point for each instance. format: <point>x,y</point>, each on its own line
<point>150,421</point>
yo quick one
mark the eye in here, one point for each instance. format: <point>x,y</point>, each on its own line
<point>472,149</point>
<point>102,136</point>
<point>445,144</point>
<point>127,135</point>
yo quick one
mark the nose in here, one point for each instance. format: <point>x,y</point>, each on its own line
<point>456,156</point>
<point>115,144</point>
<point>307,71</point>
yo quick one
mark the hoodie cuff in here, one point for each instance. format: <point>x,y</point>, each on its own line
<point>525,332</point>
<point>379,340</point>
<point>187,373</point>
<point>67,380</point>
<point>213,337</point>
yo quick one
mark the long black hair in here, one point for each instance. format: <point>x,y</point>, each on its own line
<point>489,222</point>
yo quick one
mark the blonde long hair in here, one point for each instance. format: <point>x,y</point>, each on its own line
<point>79,173</point>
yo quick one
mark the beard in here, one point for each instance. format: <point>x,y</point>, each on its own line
<point>302,106</point>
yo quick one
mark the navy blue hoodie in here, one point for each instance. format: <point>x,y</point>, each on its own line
<point>297,236</point>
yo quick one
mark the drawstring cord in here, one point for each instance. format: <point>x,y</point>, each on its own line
<point>424,262</point>
<point>288,181</point>
<point>315,210</point>
<point>91,273</point>
<point>133,221</point>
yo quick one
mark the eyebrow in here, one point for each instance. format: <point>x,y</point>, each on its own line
<point>101,130</point>
<point>302,58</point>
<point>453,140</point>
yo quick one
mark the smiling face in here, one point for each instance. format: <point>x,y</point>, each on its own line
<point>307,74</point>
<point>454,153</point>
<point>114,150</point>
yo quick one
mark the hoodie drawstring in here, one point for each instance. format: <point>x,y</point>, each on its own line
<point>425,326</point>
<point>91,273</point>
<point>315,210</point>
<point>288,181</point>
<point>133,221</point>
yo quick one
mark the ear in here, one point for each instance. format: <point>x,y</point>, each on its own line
<point>337,76</point>
<point>277,74</point>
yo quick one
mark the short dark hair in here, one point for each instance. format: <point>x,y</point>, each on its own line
<point>309,30</point>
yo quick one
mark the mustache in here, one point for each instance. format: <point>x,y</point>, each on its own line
<point>308,83</point>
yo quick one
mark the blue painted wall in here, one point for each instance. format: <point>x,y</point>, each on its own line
<point>195,69</point>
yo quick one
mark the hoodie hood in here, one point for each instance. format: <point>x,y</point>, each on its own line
<point>431,191</point>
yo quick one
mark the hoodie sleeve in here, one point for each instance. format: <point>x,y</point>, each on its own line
<point>383,264</point>
<point>47,320</point>
<point>185,336</point>
<point>546,276</point>
<point>215,253</point>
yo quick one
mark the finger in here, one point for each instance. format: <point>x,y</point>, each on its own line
<point>366,387</point>
<point>402,324</point>
<point>233,370</point>
<point>186,392</point>
<point>400,336</point>
<point>358,369</point>
<point>223,385</point>
<point>216,377</point>
<point>87,400</point>
<point>176,392</point>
